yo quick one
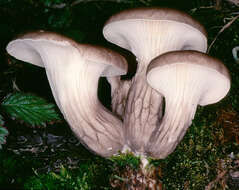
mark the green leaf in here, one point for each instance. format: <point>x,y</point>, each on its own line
<point>3,132</point>
<point>30,109</point>
<point>1,121</point>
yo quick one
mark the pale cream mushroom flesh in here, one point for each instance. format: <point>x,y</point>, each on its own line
<point>186,79</point>
<point>147,33</point>
<point>73,71</point>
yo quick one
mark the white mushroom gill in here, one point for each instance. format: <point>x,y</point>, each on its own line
<point>184,84</point>
<point>147,39</point>
<point>73,76</point>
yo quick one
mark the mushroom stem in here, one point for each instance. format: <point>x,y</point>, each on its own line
<point>73,71</point>
<point>178,118</point>
<point>90,121</point>
<point>142,113</point>
<point>181,103</point>
<point>119,92</point>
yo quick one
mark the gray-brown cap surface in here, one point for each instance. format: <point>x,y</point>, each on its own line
<point>157,13</point>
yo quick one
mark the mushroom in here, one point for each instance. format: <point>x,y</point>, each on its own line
<point>186,79</point>
<point>234,54</point>
<point>147,33</point>
<point>73,71</point>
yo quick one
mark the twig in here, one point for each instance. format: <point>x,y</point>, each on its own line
<point>202,7</point>
<point>76,2</point>
<point>58,6</point>
<point>235,13</point>
<point>235,2</point>
<point>146,2</point>
<point>222,29</point>
<point>120,178</point>
<point>87,1</point>
<point>212,183</point>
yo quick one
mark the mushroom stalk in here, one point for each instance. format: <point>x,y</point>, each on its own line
<point>142,113</point>
<point>89,110</point>
<point>92,123</point>
<point>180,109</point>
<point>119,93</point>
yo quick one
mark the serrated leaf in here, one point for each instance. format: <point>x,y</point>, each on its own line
<point>30,109</point>
<point>1,120</point>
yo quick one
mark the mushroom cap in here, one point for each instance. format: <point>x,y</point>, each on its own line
<point>156,13</point>
<point>213,75</point>
<point>157,16</point>
<point>25,48</point>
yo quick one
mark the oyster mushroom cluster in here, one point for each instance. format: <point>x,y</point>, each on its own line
<point>172,69</point>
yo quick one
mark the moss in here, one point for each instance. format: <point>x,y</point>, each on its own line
<point>122,160</point>
<point>192,166</point>
<point>14,170</point>
<point>91,175</point>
